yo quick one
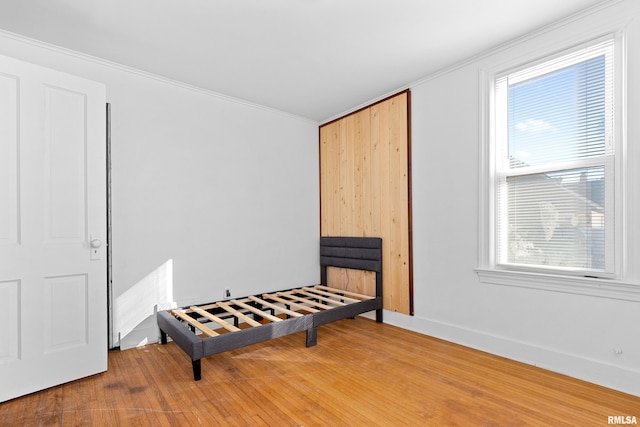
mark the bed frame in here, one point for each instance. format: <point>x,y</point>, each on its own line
<point>212,328</point>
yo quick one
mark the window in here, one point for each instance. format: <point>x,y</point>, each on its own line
<point>553,163</point>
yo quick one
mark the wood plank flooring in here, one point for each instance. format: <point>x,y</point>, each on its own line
<point>360,373</point>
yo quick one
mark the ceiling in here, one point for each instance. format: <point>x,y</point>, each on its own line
<point>311,58</point>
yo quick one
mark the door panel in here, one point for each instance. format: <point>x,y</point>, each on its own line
<point>52,201</point>
<point>9,332</point>
<point>8,160</point>
<point>65,170</point>
<point>66,312</point>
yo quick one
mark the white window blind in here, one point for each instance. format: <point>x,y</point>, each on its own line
<point>555,153</point>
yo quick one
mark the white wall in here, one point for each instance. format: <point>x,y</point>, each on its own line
<point>571,333</point>
<point>208,192</point>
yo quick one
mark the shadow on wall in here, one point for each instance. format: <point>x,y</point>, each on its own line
<point>134,310</point>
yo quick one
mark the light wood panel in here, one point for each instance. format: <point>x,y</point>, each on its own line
<point>361,373</point>
<point>365,191</point>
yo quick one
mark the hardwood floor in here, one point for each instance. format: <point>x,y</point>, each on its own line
<point>360,373</point>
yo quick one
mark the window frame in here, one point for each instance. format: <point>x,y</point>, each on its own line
<point>489,269</point>
<point>504,172</point>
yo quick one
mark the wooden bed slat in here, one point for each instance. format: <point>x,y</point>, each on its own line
<point>291,302</point>
<point>206,307</point>
<point>311,294</point>
<point>353,294</point>
<point>193,322</point>
<point>275,307</point>
<point>308,301</point>
<point>256,311</point>
<point>240,315</point>
<point>228,326</point>
<point>336,294</point>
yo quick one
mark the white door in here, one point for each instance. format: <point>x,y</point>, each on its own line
<point>52,208</point>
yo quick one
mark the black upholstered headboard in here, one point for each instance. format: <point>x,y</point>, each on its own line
<point>358,253</point>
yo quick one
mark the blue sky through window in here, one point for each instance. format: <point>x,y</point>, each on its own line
<point>558,116</point>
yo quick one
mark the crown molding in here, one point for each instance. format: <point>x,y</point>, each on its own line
<point>485,54</point>
<point>145,74</point>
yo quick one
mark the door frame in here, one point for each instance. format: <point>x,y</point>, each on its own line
<point>111,345</point>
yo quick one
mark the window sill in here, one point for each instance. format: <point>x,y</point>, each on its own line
<point>603,288</point>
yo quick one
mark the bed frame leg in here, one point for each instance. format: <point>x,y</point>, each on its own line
<point>379,316</point>
<point>312,336</point>
<point>197,370</point>
<point>163,337</point>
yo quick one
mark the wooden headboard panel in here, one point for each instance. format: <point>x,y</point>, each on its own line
<point>357,253</point>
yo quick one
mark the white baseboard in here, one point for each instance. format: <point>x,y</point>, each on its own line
<point>593,371</point>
